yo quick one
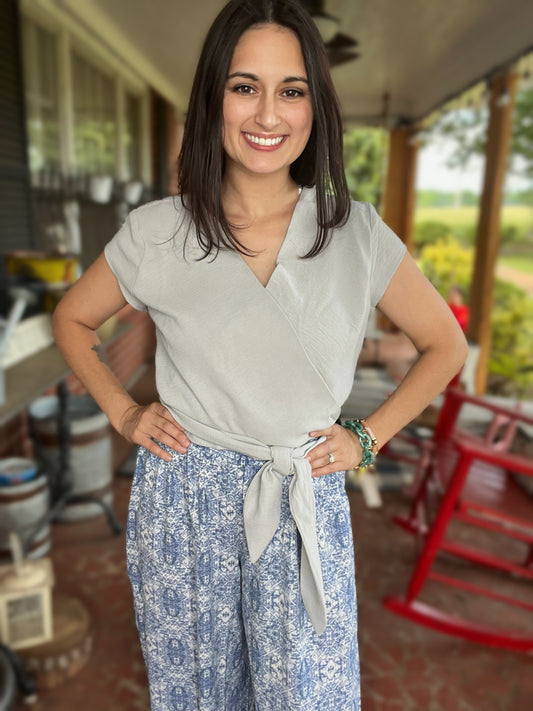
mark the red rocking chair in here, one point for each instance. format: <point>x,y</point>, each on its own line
<point>441,494</point>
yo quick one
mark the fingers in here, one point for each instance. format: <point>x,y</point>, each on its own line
<point>324,460</point>
<point>323,433</point>
<point>152,426</point>
<point>152,446</point>
<point>168,431</point>
<point>328,464</point>
<point>340,451</point>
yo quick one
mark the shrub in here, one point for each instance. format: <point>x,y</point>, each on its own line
<point>447,263</point>
<point>429,232</point>
<point>512,340</point>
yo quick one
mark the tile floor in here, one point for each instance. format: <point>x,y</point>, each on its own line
<point>404,667</point>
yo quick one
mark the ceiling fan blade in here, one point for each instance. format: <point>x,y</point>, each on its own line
<point>340,47</point>
<point>338,57</point>
<point>342,41</point>
<point>313,6</point>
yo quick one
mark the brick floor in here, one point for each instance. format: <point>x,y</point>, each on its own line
<point>404,667</point>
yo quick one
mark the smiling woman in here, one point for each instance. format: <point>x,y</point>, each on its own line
<point>259,278</point>
<point>267,121</point>
<point>201,164</point>
<point>267,105</point>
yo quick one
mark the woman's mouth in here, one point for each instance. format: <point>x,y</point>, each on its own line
<point>261,142</point>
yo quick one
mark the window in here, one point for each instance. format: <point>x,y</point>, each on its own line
<point>95,125</point>
<point>41,89</point>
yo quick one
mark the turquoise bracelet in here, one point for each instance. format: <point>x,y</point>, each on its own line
<point>366,440</point>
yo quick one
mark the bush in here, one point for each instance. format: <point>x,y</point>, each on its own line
<point>509,234</point>
<point>447,263</point>
<point>512,340</point>
<point>429,232</point>
<point>516,234</point>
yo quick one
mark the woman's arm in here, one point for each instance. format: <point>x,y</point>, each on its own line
<point>88,303</point>
<point>416,308</point>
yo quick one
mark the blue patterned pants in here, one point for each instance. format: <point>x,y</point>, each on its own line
<point>219,633</point>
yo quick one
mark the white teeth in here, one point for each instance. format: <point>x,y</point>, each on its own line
<point>264,141</point>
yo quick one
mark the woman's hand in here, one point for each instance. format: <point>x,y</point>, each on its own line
<point>342,444</point>
<point>149,424</point>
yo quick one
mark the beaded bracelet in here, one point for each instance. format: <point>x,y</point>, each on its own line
<point>366,439</point>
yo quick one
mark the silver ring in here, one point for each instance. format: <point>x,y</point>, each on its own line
<point>331,458</point>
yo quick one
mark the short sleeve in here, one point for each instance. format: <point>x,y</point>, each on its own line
<point>387,252</point>
<point>124,254</point>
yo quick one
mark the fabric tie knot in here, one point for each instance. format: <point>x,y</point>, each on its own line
<point>262,508</point>
<point>282,460</point>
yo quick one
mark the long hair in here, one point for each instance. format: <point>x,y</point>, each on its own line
<point>202,160</point>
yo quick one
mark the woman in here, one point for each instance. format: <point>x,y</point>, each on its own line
<point>259,279</point>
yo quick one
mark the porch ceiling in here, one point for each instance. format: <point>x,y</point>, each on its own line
<point>419,51</point>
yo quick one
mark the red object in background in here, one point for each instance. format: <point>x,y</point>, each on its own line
<point>456,469</point>
<point>462,314</point>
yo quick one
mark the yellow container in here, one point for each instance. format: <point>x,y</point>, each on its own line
<point>50,267</point>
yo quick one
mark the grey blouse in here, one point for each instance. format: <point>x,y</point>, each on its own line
<point>251,368</point>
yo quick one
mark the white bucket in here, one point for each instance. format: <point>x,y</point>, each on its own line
<point>90,451</point>
<point>22,506</point>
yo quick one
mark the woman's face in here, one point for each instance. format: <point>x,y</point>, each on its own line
<point>267,111</point>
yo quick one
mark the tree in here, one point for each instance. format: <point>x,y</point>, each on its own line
<point>522,141</point>
<point>468,128</point>
<point>363,160</point>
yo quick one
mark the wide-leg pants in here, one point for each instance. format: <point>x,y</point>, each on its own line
<point>218,632</point>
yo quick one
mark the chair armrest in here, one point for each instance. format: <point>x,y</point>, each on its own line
<point>511,412</point>
<point>477,449</point>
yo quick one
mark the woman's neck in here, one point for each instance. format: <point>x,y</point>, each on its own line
<point>256,196</point>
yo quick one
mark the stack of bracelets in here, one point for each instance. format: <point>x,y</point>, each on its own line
<point>368,442</point>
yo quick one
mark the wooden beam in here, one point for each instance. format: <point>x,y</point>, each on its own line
<point>400,193</point>
<point>399,196</point>
<point>488,228</point>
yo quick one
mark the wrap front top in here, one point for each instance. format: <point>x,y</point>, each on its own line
<point>251,368</point>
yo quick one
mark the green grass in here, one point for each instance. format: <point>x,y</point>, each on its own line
<point>522,263</point>
<point>519,215</point>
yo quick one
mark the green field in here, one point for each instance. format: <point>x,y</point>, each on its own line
<point>519,215</point>
<point>433,223</point>
<point>522,263</point>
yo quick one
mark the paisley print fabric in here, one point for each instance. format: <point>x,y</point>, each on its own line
<point>218,632</point>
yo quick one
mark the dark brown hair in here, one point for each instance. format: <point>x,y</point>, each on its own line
<point>201,161</point>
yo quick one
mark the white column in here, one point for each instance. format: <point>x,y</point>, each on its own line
<point>121,167</point>
<point>66,104</point>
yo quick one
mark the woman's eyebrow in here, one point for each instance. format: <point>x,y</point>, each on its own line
<point>244,75</point>
<point>289,80</point>
<point>254,77</point>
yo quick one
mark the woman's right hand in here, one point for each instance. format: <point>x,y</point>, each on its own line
<point>148,425</point>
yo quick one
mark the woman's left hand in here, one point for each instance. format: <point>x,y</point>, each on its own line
<point>341,451</point>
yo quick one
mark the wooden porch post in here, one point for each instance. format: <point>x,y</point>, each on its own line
<point>400,194</point>
<point>488,228</point>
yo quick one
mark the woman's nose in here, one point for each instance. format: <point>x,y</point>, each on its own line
<point>267,114</point>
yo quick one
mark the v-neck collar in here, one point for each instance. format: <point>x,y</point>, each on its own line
<point>285,247</point>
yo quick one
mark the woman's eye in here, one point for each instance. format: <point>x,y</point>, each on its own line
<point>292,93</point>
<point>243,89</point>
